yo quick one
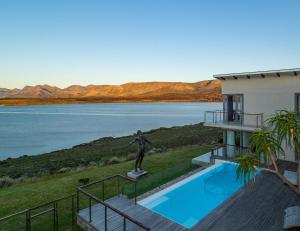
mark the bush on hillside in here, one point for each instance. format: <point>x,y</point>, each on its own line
<point>114,160</point>
<point>6,182</point>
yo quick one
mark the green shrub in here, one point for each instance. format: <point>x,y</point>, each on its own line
<point>131,156</point>
<point>6,182</point>
<point>114,160</point>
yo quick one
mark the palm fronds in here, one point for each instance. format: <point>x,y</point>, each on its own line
<point>286,126</point>
<point>246,168</point>
<point>265,143</point>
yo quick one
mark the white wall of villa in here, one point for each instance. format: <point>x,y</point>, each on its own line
<point>265,95</point>
<point>264,92</point>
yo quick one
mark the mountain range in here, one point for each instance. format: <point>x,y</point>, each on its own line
<point>208,90</point>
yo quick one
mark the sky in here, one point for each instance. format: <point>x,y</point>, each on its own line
<point>70,42</point>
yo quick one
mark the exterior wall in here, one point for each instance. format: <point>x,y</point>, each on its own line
<point>266,95</point>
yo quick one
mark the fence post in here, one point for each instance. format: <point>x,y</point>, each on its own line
<point>105,218</point>
<point>28,220</point>
<point>73,213</point>
<point>118,184</point>
<point>77,201</point>
<point>124,223</point>
<point>90,209</point>
<point>135,193</point>
<point>102,190</point>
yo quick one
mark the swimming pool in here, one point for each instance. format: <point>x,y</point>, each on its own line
<point>191,199</point>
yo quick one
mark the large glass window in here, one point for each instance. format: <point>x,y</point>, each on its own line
<point>297,107</point>
<point>297,103</point>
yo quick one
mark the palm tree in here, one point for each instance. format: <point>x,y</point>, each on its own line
<point>266,148</point>
<point>286,126</point>
<point>247,167</point>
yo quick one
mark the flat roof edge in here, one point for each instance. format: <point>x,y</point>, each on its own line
<point>256,73</point>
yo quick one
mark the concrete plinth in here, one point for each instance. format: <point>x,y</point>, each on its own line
<point>134,175</point>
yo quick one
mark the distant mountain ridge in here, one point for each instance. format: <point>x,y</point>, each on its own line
<point>208,90</point>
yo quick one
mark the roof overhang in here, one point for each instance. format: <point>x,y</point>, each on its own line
<point>259,74</point>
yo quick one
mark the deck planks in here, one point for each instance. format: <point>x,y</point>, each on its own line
<point>116,222</point>
<point>259,208</point>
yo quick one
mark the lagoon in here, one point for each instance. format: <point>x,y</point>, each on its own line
<point>32,130</point>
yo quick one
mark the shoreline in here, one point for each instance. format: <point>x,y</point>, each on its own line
<point>61,101</point>
<point>107,150</point>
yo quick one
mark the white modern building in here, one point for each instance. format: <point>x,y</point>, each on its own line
<point>249,99</point>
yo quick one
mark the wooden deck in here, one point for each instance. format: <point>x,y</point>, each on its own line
<point>259,208</point>
<point>116,222</point>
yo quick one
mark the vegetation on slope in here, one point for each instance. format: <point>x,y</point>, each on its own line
<point>162,167</point>
<point>106,151</point>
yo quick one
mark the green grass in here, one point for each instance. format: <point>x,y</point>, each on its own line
<point>102,150</point>
<point>46,188</point>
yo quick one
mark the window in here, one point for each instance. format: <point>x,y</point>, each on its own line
<point>297,107</point>
<point>297,103</point>
<point>233,107</point>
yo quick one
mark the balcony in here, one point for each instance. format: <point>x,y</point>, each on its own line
<point>222,152</point>
<point>228,152</point>
<point>234,120</point>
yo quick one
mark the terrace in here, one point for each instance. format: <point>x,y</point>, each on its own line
<point>114,204</point>
<point>233,120</point>
<point>221,152</point>
<point>227,152</point>
<point>247,209</point>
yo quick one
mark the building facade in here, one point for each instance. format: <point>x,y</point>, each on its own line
<point>249,100</point>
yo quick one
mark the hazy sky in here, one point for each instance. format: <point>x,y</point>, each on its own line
<point>65,42</point>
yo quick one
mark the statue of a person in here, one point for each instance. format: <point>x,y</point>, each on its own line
<point>141,140</point>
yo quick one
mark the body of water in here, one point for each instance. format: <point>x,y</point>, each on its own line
<point>31,130</point>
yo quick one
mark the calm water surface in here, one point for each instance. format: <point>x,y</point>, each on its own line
<point>34,130</point>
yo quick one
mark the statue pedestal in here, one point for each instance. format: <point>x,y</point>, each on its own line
<point>134,175</point>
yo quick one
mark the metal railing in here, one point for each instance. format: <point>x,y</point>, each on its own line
<point>228,152</point>
<point>64,218</point>
<point>82,190</point>
<point>31,213</point>
<point>234,118</point>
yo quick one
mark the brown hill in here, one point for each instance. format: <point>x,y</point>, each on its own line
<point>209,90</point>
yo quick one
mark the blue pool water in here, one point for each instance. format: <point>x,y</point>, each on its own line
<point>190,200</point>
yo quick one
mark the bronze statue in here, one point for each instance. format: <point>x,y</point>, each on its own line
<point>141,140</point>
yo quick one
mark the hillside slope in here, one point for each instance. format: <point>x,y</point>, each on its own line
<point>209,90</point>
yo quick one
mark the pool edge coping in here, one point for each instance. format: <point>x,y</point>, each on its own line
<point>177,183</point>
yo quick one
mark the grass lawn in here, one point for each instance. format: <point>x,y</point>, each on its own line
<point>47,188</point>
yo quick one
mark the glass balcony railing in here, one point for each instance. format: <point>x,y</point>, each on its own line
<point>234,118</point>
<point>228,152</point>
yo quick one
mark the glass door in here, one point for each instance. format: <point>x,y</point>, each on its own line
<point>233,107</point>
